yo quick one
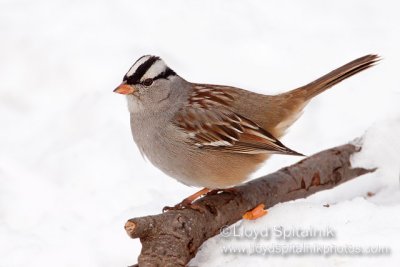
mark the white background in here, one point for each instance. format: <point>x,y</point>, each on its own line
<point>70,174</point>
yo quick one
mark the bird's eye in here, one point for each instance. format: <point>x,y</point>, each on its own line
<point>147,82</point>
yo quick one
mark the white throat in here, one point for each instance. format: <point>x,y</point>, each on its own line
<point>134,105</point>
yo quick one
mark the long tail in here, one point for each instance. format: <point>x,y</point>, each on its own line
<point>334,77</point>
<point>284,109</point>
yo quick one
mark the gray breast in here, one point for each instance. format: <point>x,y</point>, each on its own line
<point>164,145</point>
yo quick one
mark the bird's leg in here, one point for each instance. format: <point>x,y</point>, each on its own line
<point>187,202</point>
<point>255,213</point>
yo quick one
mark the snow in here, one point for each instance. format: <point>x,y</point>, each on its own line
<point>363,213</point>
<point>70,174</point>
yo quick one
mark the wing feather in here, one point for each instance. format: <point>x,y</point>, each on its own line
<point>210,123</point>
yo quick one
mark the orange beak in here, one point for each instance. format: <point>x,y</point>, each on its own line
<point>125,89</point>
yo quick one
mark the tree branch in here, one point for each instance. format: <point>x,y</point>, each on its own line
<point>173,238</point>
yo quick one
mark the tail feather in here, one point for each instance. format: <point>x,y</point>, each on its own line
<point>336,76</point>
<point>284,109</point>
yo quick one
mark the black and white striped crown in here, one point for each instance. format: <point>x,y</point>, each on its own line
<point>148,67</point>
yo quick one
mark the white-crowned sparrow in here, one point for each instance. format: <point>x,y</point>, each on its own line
<point>213,136</point>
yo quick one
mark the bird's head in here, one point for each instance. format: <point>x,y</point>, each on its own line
<point>149,83</point>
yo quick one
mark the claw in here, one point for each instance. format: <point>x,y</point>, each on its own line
<point>187,202</point>
<point>182,205</point>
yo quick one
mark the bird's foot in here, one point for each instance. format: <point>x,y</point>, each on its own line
<point>255,213</point>
<point>188,202</point>
<point>184,205</point>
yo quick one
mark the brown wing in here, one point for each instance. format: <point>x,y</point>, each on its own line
<point>211,124</point>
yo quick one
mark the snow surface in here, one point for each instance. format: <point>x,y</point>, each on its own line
<point>70,175</point>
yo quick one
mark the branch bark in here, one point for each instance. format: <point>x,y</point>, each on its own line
<point>173,238</point>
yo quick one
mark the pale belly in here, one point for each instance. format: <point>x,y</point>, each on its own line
<point>190,165</point>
